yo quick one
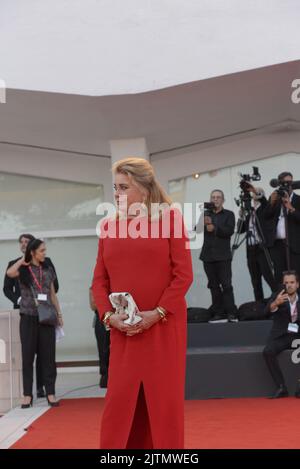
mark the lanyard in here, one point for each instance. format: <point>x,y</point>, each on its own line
<point>38,284</point>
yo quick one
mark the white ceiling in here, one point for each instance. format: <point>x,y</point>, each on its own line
<point>106,47</point>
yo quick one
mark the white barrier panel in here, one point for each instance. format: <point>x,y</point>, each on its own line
<point>10,360</point>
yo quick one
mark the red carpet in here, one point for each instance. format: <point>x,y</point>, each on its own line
<point>224,423</point>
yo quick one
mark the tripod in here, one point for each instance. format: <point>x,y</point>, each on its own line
<point>250,211</point>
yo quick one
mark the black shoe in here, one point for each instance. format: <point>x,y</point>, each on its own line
<point>218,318</point>
<point>52,404</point>
<point>27,406</point>
<point>103,381</point>
<point>297,392</point>
<point>232,317</point>
<point>40,393</point>
<point>280,392</point>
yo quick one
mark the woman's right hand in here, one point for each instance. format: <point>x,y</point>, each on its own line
<point>117,322</point>
<point>23,262</point>
<point>14,270</point>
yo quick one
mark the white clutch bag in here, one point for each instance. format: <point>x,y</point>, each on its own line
<point>124,303</point>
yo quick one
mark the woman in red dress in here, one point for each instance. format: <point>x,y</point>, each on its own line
<point>144,404</point>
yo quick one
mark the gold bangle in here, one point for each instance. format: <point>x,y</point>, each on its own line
<point>105,321</point>
<point>162,312</point>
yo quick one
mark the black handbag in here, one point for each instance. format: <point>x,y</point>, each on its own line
<point>46,312</point>
<point>252,311</point>
<point>196,315</point>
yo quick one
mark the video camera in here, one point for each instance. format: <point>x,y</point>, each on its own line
<point>208,208</point>
<point>247,178</point>
<point>244,200</point>
<point>283,187</point>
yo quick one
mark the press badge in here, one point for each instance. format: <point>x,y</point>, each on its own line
<point>42,297</point>
<point>293,327</point>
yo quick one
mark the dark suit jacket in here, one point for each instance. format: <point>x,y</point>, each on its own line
<point>271,215</point>
<point>216,246</point>
<point>11,287</point>
<point>281,318</point>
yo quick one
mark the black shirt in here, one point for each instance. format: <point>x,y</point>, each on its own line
<point>216,246</point>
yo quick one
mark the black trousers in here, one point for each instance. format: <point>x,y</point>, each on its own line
<point>38,368</point>
<point>219,277</point>
<point>259,268</point>
<point>273,348</point>
<point>38,340</point>
<point>103,345</point>
<point>39,374</point>
<point>278,255</point>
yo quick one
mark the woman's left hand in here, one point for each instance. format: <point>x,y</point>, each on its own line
<point>149,318</point>
<point>60,321</point>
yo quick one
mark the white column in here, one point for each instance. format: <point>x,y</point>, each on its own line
<point>123,148</point>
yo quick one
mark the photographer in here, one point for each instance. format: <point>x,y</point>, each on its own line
<point>285,308</point>
<point>282,214</point>
<point>258,258</point>
<point>216,256</point>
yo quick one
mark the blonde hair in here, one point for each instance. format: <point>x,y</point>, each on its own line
<point>141,174</point>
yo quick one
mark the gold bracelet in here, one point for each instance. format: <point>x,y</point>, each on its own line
<point>162,312</point>
<point>105,321</point>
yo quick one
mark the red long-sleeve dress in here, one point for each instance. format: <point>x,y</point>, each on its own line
<point>144,404</point>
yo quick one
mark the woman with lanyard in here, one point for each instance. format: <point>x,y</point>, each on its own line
<point>36,279</point>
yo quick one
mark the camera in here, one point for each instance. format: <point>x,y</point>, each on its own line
<point>246,179</point>
<point>209,206</point>
<point>283,187</point>
<point>207,212</point>
<point>244,200</point>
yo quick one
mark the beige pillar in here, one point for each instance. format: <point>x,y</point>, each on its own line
<point>123,148</point>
